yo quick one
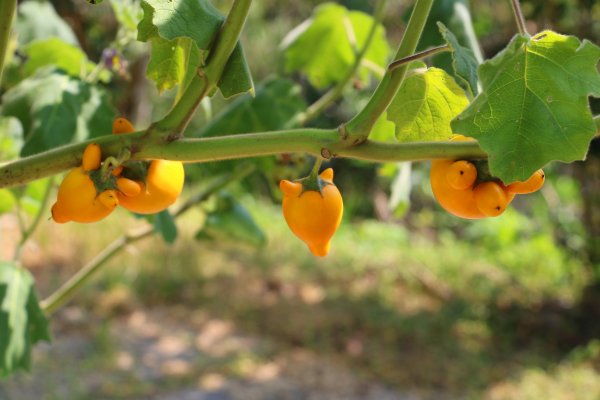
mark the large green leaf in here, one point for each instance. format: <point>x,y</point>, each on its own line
<point>463,61</point>
<point>54,51</point>
<point>22,323</point>
<point>321,47</point>
<point>187,25</point>
<point>54,109</point>
<point>426,102</point>
<point>534,106</point>
<point>39,20</point>
<point>276,102</point>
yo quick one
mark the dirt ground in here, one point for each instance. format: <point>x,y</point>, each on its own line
<point>175,354</point>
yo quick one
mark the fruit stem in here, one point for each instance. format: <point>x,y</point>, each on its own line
<point>314,172</point>
<point>516,7</point>
<point>418,56</point>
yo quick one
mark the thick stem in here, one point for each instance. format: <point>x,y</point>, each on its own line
<point>418,56</point>
<point>207,79</point>
<point>66,292</point>
<point>359,127</point>
<point>7,13</point>
<point>516,7</point>
<point>323,142</point>
<point>336,92</point>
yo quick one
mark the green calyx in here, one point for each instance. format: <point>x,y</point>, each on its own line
<point>102,182</point>
<point>313,181</point>
<point>483,172</point>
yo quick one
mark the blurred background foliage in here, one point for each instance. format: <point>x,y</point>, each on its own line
<point>411,297</point>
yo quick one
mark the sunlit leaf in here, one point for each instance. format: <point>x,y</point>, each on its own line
<point>400,189</point>
<point>384,130</point>
<point>190,27</point>
<point>170,62</point>
<point>11,138</point>
<point>425,104</point>
<point>31,195</point>
<point>322,47</point>
<point>54,51</point>
<point>55,109</point>
<point>534,106</point>
<point>7,200</point>
<point>39,20</point>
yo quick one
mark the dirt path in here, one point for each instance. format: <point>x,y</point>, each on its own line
<point>175,354</point>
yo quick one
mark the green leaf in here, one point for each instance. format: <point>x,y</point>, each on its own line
<point>54,109</point>
<point>426,102</point>
<point>384,130</point>
<point>321,49</point>
<point>127,13</point>
<point>31,195</point>
<point>97,115</point>
<point>170,62</point>
<point>534,106</point>
<point>54,51</point>
<point>164,223</point>
<point>7,201</point>
<point>22,323</point>
<point>400,190</point>
<point>259,113</point>
<point>236,77</point>
<point>190,27</point>
<point>463,61</point>
<point>39,20</point>
<point>11,138</point>
<point>232,222</point>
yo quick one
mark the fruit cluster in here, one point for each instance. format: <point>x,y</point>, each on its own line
<point>463,191</point>
<point>91,192</point>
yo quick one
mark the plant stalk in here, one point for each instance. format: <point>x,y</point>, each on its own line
<point>358,128</point>
<point>26,234</point>
<point>324,142</point>
<point>418,56</point>
<point>7,14</point>
<point>516,7</point>
<point>207,78</point>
